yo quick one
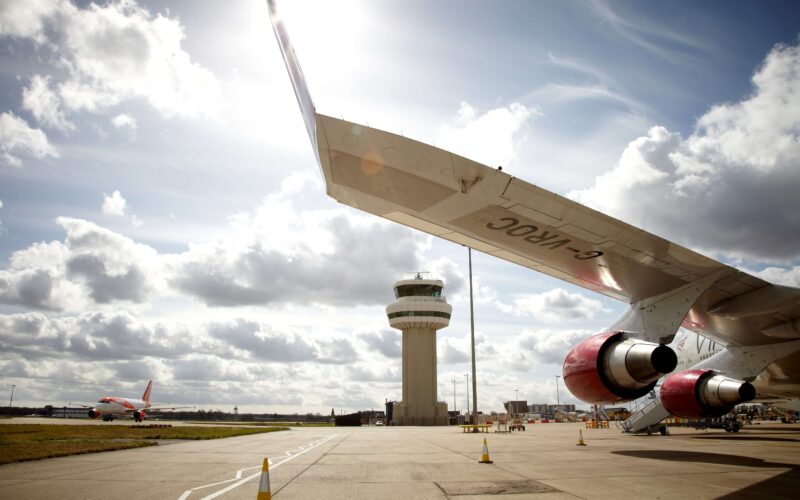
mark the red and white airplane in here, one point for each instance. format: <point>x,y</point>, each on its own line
<point>668,286</point>
<point>110,407</point>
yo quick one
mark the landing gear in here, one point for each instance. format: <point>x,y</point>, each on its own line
<point>732,426</point>
<point>660,428</point>
<point>729,423</point>
<point>108,418</point>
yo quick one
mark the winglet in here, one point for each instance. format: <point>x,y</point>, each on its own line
<point>295,74</point>
<point>146,395</point>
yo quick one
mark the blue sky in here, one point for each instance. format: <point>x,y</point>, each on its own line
<point>162,215</point>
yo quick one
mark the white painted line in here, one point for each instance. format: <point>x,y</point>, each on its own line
<point>288,456</point>
<point>235,485</point>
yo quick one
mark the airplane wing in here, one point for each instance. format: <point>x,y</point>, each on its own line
<point>79,405</point>
<point>463,201</point>
<point>454,198</point>
<point>164,406</point>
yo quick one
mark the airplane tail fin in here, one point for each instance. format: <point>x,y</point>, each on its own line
<point>295,73</point>
<point>146,395</point>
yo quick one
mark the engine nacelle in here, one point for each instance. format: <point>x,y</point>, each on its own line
<point>703,393</point>
<point>607,368</point>
<point>93,413</point>
<point>139,416</point>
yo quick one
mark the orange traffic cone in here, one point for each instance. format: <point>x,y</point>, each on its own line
<point>263,485</point>
<point>485,456</point>
<point>580,438</point>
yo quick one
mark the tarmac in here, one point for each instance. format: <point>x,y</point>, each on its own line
<point>543,462</point>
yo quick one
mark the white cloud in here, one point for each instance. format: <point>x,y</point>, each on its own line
<point>45,105</point>
<point>666,42</point>
<point>92,265</point>
<point>112,266</point>
<point>116,52</point>
<point>26,18</point>
<point>731,186</point>
<point>550,346</point>
<point>114,204</point>
<point>386,342</point>
<point>91,336</point>
<point>257,266</point>
<point>212,369</point>
<point>238,361</point>
<point>282,254</point>
<point>262,343</point>
<point>788,276</point>
<point>122,335</point>
<point>139,370</point>
<point>554,306</point>
<point>362,373</point>
<point>597,85</point>
<point>274,255</point>
<point>247,362</point>
<point>452,351</point>
<point>491,138</point>
<point>18,138</point>
<point>124,120</point>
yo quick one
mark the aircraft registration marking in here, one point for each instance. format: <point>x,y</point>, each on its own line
<point>543,238</point>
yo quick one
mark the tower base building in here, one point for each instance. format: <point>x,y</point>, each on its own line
<point>420,310</point>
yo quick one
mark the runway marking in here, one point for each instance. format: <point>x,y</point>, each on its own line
<point>288,456</point>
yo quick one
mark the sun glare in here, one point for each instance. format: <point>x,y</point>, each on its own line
<point>327,36</point>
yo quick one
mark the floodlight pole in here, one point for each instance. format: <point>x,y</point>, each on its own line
<point>472,342</point>
<point>467,375</point>
<point>11,400</point>
<point>558,401</point>
<point>454,395</point>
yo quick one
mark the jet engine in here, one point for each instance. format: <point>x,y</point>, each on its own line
<point>138,416</point>
<point>703,393</point>
<point>608,368</point>
<point>93,413</point>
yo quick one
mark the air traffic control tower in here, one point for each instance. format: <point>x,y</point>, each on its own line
<point>419,311</point>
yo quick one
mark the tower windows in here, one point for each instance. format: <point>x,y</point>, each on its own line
<point>417,291</point>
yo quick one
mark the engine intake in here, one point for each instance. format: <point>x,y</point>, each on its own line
<point>93,413</point>
<point>138,416</point>
<point>703,393</point>
<point>607,368</point>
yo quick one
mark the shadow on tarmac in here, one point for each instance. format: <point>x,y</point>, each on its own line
<point>784,485</point>
<point>749,438</point>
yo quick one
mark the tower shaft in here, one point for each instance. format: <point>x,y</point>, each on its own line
<point>419,311</point>
<point>419,369</point>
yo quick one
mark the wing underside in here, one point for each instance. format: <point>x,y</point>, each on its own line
<point>468,203</point>
<point>452,197</point>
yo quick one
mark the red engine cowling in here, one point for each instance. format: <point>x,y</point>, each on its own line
<point>703,393</point>
<point>93,413</point>
<point>138,416</point>
<point>607,368</point>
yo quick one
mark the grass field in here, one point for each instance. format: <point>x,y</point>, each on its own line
<point>23,442</point>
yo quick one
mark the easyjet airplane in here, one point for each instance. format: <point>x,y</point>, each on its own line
<point>110,407</point>
<point>756,323</point>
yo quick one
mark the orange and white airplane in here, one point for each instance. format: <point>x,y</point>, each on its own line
<point>756,324</point>
<point>110,407</point>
